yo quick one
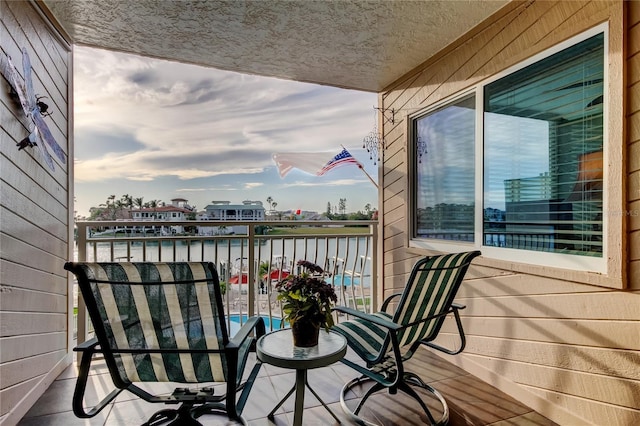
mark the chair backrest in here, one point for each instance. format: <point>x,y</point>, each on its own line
<point>430,290</point>
<point>157,321</point>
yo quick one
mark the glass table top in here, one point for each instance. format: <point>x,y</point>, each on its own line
<point>277,348</point>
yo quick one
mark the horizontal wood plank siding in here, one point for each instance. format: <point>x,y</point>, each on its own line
<point>24,346</point>
<point>34,298</point>
<point>554,341</point>
<point>592,333</point>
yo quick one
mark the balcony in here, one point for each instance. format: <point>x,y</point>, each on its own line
<point>249,264</point>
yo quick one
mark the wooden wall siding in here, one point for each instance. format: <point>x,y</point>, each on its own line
<point>34,227</point>
<point>565,348</point>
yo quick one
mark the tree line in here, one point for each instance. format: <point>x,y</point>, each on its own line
<point>114,208</point>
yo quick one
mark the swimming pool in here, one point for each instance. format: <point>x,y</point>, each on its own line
<point>338,281</point>
<point>234,323</point>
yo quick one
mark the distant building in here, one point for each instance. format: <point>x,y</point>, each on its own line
<point>225,211</point>
<point>160,213</point>
<point>181,202</point>
<point>177,211</point>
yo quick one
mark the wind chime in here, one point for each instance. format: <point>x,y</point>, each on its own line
<point>374,141</point>
<point>421,148</point>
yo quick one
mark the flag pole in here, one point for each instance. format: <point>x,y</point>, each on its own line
<point>361,167</point>
<point>367,174</point>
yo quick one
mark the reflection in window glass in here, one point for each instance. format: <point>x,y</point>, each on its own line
<point>444,155</point>
<point>543,141</point>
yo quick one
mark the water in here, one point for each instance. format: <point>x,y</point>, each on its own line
<point>337,255</point>
<point>322,251</point>
<point>345,280</point>
<point>269,323</point>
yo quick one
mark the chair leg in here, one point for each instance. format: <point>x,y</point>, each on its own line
<point>184,417</point>
<point>176,417</point>
<point>404,387</point>
<point>373,389</point>
<point>410,379</point>
<point>215,408</point>
<point>353,415</point>
<point>415,380</point>
<point>161,416</point>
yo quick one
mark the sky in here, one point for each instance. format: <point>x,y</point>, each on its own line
<point>161,130</point>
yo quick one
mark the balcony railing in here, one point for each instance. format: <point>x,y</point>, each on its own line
<point>250,256</point>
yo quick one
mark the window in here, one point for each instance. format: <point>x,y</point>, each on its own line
<point>445,172</point>
<point>540,138</point>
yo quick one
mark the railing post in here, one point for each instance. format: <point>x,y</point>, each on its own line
<point>251,277</point>
<point>81,333</point>
<point>377,287</point>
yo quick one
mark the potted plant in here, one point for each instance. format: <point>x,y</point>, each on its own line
<point>306,303</point>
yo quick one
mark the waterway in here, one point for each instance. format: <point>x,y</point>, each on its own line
<point>335,254</point>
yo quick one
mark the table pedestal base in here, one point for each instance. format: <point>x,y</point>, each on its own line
<point>301,382</point>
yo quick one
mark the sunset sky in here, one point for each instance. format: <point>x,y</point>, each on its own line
<point>163,130</point>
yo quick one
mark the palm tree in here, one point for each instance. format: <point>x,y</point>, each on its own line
<point>110,206</point>
<point>117,210</point>
<point>154,205</point>
<point>138,202</point>
<point>127,200</point>
<point>367,209</point>
<point>342,205</point>
<point>269,200</point>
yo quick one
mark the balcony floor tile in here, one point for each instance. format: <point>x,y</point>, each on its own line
<point>479,403</point>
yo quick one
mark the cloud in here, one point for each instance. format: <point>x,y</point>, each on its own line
<point>150,167</point>
<point>145,120</point>
<point>339,182</point>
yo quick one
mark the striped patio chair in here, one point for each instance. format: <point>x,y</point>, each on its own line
<point>384,341</point>
<point>164,322</point>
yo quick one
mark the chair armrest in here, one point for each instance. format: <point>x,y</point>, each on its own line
<point>455,307</point>
<point>89,345</point>
<point>368,317</point>
<point>88,348</point>
<point>388,300</point>
<point>252,323</point>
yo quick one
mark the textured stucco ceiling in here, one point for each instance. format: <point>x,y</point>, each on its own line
<point>357,44</point>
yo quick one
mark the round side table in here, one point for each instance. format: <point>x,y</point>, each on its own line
<point>276,348</point>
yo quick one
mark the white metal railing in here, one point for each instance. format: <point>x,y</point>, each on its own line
<point>249,261</point>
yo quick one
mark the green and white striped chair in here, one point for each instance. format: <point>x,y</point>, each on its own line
<point>164,322</point>
<point>384,341</point>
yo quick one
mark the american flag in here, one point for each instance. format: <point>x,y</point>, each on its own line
<point>311,162</point>
<point>341,159</point>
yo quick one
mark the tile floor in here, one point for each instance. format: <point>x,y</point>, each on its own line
<point>471,401</point>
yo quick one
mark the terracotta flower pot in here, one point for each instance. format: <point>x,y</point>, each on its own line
<point>305,333</point>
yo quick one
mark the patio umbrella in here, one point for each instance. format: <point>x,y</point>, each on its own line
<point>276,274</point>
<point>235,279</point>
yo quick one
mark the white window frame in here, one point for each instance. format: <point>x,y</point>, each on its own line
<point>546,259</point>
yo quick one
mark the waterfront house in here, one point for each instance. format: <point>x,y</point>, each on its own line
<point>163,213</point>
<point>224,210</point>
<point>179,209</point>
<point>552,313</point>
